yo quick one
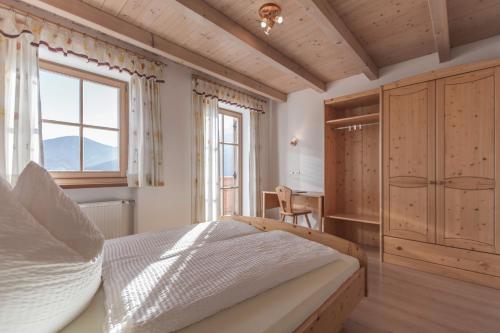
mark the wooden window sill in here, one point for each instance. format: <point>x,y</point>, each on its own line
<point>74,183</point>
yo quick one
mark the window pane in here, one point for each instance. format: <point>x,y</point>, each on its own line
<point>61,147</point>
<point>230,129</point>
<point>100,105</point>
<point>100,150</point>
<point>60,97</point>
<point>230,167</point>
<point>230,202</point>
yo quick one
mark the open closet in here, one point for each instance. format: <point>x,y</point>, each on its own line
<point>352,172</point>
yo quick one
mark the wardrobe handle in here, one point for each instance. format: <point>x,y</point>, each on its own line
<point>438,182</point>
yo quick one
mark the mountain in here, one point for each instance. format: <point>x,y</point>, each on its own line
<point>99,157</point>
<point>63,154</point>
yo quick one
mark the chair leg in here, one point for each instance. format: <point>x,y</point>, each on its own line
<point>307,220</point>
<point>283,218</point>
<point>295,219</point>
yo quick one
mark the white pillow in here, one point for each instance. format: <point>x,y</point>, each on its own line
<point>50,206</point>
<point>44,284</point>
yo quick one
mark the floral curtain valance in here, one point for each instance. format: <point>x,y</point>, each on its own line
<point>227,95</point>
<point>67,41</point>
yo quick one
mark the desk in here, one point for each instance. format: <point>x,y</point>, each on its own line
<point>310,200</point>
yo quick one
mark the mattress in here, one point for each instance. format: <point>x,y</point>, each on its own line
<point>280,309</point>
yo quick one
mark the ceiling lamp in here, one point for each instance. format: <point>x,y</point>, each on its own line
<point>270,14</point>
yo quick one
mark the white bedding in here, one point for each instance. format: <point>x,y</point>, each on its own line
<point>44,283</point>
<point>171,241</point>
<point>163,286</point>
<point>278,310</point>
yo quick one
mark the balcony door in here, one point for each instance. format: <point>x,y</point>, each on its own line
<point>230,173</point>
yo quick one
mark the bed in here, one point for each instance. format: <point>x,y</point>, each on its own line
<point>318,301</point>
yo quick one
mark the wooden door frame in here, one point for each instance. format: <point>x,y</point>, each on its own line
<point>239,116</point>
<point>497,159</point>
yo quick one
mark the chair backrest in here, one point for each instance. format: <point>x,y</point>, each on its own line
<point>285,198</point>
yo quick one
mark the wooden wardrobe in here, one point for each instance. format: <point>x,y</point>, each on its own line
<point>441,163</point>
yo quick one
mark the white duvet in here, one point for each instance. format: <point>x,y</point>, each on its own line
<point>171,241</point>
<point>163,286</point>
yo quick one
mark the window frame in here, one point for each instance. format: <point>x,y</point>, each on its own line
<point>221,144</point>
<point>84,179</point>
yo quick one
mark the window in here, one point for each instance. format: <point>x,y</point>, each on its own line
<point>84,127</point>
<point>230,161</point>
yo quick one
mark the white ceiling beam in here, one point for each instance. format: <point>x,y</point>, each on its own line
<point>440,28</point>
<point>257,45</point>
<point>91,17</point>
<point>333,26</point>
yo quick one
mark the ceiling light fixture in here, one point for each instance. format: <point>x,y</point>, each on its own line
<point>270,14</point>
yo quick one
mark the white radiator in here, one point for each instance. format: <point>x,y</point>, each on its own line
<point>113,218</point>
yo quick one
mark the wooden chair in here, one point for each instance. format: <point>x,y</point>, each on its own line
<point>286,209</point>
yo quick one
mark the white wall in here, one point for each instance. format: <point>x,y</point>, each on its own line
<point>159,208</point>
<point>302,114</point>
<point>156,208</point>
<point>171,205</point>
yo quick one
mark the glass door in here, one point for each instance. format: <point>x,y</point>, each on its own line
<point>230,161</point>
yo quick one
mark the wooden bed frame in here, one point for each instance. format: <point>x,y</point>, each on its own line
<point>332,314</point>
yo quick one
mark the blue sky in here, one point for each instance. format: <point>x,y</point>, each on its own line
<point>60,101</point>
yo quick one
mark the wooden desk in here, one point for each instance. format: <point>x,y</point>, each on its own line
<point>310,200</point>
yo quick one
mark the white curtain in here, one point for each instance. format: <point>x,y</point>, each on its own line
<point>19,105</point>
<point>206,98</point>
<point>68,41</point>
<point>206,178</point>
<point>254,164</point>
<point>145,164</point>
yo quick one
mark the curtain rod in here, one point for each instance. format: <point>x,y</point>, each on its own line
<point>229,102</point>
<point>225,85</point>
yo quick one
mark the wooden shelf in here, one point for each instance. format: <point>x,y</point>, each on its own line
<point>369,97</point>
<point>358,190</point>
<point>356,218</point>
<point>356,120</point>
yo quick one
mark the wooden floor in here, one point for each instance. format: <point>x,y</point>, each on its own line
<point>403,300</point>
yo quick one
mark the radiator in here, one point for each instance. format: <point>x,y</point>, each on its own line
<point>113,218</point>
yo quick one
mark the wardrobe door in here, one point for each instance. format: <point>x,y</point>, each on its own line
<point>409,162</point>
<point>467,160</point>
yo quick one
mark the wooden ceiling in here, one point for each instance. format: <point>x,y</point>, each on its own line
<point>320,40</point>
<point>472,20</point>
<point>391,31</point>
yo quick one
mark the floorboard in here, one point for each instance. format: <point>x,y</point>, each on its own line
<point>403,300</point>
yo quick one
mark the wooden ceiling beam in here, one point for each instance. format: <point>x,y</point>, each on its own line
<point>439,17</point>
<point>333,26</point>
<point>91,17</point>
<point>273,56</point>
